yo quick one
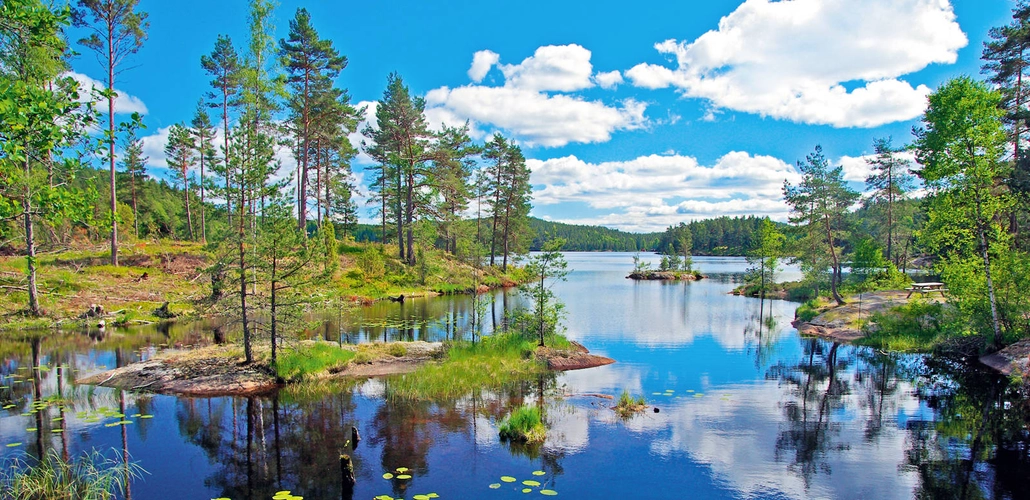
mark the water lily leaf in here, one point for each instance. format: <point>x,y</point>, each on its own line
<point>690,390</point>
<point>403,476</point>
<point>57,431</point>
<point>526,490</point>
<point>402,469</point>
<point>699,395</point>
<point>8,407</point>
<point>549,493</point>
<point>507,479</point>
<point>530,482</point>
<point>421,497</point>
<point>221,498</point>
<point>387,476</point>
<point>12,445</point>
<point>384,497</point>
<point>539,473</point>
<point>432,495</point>
<point>31,429</point>
<point>494,486</point>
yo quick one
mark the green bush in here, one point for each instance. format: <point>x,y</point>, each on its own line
<point>397,350</point>
<point>807,311</point>
<point>372,263</point>
<point>524,424</point>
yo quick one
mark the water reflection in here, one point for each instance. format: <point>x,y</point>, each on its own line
<point>747,409</point>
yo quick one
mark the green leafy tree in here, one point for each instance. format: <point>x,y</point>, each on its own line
<point>819,204</point>
<point>118,31</point>
<point>960,146</point>
<point>889,183</point>
<point>509,198</point>
<point>764,257</point>
<point>547,268</point>
<point>39,116</point>
<point>455,160</point>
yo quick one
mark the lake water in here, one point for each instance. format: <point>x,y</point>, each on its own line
<point>748,409</point>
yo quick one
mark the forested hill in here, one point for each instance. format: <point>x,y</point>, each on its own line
<point>591,238</point>
<point>719,236</point>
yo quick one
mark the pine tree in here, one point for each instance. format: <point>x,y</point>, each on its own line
<point>309,61</point>
<point>203,133</point>
<point>224,65</point>
<point>818,206</point>
<point>135,165</point>
<point>889,182</point>
<point>180,151</point>
<point>118,31</point>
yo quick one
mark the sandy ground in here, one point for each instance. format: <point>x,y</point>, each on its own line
<point>839,323</point>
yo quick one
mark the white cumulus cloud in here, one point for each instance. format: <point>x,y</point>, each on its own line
<point>830,62</point>
<point>536,104</point>
<point>607,80</point>
<point>482,61</point>
<point>649,193</point>
<point>123,104</point>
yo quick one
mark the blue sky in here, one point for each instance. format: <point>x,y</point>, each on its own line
<point>632,115</point>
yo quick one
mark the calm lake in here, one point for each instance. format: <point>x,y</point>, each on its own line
<point>748,409</point>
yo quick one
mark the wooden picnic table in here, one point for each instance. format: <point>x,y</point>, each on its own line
<point>927,287</point>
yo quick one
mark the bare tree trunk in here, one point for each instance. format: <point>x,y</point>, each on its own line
<point>110,139</point>
<point>30,246</point>
<point>835,274</point>
<point>203,220</point>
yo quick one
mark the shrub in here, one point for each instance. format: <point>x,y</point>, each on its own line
<point>524,424</point>
<point>372,263</point>
<point>397,350</point>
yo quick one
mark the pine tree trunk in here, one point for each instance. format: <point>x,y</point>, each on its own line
<point>203,220</point>
<point>835,274</point>
<point>225,154</point>
<point>110,139</point>
<point>135,212</point>
<point>186,195</point>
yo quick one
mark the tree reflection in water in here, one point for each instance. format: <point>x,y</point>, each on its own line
<point>818,392</point>
<point>978,445</point>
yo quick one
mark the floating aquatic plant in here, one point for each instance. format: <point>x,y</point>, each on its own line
<point>507,479</point>
<point>530,482</point>
<point>539,473</point>
<point>549,493</point>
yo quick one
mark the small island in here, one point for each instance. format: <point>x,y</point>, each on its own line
<point>676,264</point>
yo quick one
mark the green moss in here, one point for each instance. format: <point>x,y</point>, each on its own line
<point>524,424</point>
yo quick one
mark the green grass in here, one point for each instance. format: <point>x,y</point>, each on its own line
<point>492,363</point>
<point>311,360</point>
<point>524,424</point>
<point>627,406</point>
<point>91,476</point>
<point>918,326</point>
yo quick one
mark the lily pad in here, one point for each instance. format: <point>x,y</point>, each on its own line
<point>12,445</point>
<point>432,495</point>
<point>549,493</point>
<point>539,473</point>
<point>494,486</point>
<point>526,490</point>
<point>146,416</point>
<point>421,497</point>
<point>387,476</point>
<point>403,476</point>
<point>507,479</point>
<point>31,429</point>
<point>402,469</point>
<point>530,482</point>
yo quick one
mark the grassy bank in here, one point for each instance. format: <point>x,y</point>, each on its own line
<point>492,363</point>
<point>525,424</point>
<point>154,272</point>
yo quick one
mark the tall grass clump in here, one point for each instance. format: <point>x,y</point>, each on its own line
<point>309,360</point>
<point>627,406</point>
<point>91,476</point>
<point>524,424</point>
<point>494,362</point>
